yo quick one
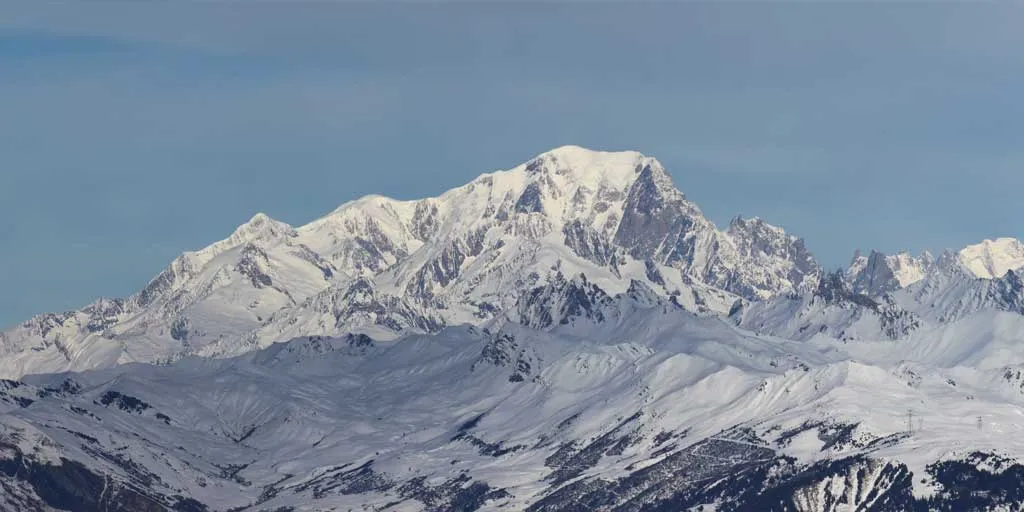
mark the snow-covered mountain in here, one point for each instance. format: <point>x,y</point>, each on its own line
<point>617,402</point>
<point>210,294</point>
<point>881,273</point>
<point>887,297</point>
<point>390,267</point>
<point>832,310</point>
<point>993,258</point>
<point>569,334</point>
<point>894,296</point>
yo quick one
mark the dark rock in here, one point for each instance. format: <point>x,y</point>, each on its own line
<point>124,402</point>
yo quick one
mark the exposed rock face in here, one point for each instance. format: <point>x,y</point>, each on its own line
<point>761,245</point>
<point>752,259</point>
<point>562,301</point>
<point>879,273</point>
<point>590,244</point>
<point>833,290</point>
<point>657,222</point>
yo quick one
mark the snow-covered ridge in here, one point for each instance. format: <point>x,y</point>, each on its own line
<point>879,273</point>
<point>869,304</point>
<point>668,409</point>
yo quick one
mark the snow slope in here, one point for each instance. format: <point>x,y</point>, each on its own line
<point>648,400</point>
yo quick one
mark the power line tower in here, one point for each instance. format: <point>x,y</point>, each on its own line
<point>910,421</point>
<point>981,424</point>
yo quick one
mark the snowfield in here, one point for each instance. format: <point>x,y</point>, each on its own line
<point>570,334</point>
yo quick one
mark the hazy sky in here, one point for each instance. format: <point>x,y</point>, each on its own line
<point>130,132</point>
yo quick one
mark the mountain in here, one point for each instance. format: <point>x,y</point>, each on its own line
<point>993,258</point>
<point>943,293</point>
<point>880,273</point>
<point>216,292</point>
<point>571,334</point>
<point>389,267</point>
<point>619,402</point>
<point>833,310</point>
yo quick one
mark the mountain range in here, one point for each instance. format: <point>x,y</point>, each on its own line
<point>569,334</point>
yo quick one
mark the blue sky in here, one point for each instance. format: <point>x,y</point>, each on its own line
<point>134,131</point>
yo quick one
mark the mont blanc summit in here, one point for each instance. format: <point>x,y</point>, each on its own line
<point>569,334</point>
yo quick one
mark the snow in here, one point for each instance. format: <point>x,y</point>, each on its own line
<point>993,258</point>
<point>447,260</point>
<point>401,403</point>
<point>990,259</point>
<point>515,304</point>
<point>909,270</point>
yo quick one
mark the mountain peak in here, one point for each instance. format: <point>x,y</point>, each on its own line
<point>879,273</point>
<point>738,224</point>
<point>592,169</point>
<point>259,218</point>
<point>991,259</point>
<point>259,228</point>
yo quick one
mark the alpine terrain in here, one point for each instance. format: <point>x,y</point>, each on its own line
<point>572,334</point>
